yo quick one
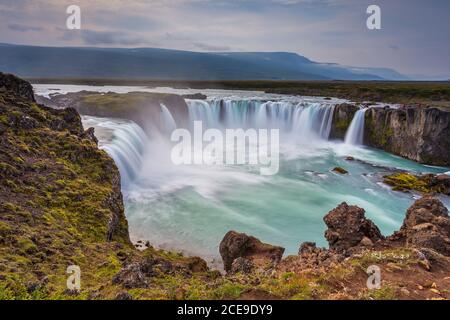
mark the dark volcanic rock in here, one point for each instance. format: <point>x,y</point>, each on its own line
<point>417,133</point>
<point>132,276</point>
<point>427,224</point>
<point>235,245</point>
<point>347,226</point>
<point>90,135</point>
<point>195,96</point>
<point>241,265</point>
<point>19,87</point>
<point>342,117</point>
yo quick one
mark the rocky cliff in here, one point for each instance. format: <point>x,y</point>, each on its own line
<point>417,133</point>
<point>342,118</point>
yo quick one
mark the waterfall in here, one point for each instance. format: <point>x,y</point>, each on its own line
<point>128,142</point>
<point>127,147</point>
<point>311,120</point>
<point>167,121</point>
<point>355,133</point>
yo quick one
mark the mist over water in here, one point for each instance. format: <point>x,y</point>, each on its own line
<point>190,207</point>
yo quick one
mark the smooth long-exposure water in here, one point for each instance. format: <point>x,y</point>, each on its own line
<point>191,207</point>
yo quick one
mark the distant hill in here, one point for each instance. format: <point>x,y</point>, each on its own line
<point>165,64</point>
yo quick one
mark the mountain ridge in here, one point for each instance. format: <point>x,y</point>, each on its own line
<point>168,64</point>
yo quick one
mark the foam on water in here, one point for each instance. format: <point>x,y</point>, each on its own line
<point>191,207</point>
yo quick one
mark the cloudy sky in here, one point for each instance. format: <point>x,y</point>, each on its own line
<point>414,38</point>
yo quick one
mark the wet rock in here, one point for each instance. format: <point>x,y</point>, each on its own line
<point>347,226</point>
<point>235,245</point>
<point>340,170</point>
<point>342,118</point>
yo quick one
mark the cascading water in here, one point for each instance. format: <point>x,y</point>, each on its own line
<point>355,133</point>
<point>307,120</point>
<point>167,121</point>
<point>127,146</point>
<point>191,207</point>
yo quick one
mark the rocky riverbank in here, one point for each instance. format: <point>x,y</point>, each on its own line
<point>414,262</point>
<point>61,205</point>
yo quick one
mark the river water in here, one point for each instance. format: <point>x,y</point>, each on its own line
<point>190,207</point>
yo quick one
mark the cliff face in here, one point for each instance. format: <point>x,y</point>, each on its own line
<point>60,198</point>
<point>342,118</point>
<point>419,134</point>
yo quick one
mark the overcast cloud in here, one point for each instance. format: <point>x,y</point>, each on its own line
<point>413,39</point>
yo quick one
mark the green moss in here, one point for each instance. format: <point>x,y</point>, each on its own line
<point>406,182</point>
<point>228,290</point>
<point>26,245</point>
<point>386,292</point>
<point>3,119</point>
<point>5,230</point>
<point>8,170</point>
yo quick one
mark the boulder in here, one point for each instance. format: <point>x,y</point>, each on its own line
<point>348,226</point>
<point>427,225</point>
<point>235,245</point>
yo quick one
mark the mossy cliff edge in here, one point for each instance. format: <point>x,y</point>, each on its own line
<point>61,205</point>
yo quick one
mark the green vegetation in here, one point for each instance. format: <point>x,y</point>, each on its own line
<point>404,92</point>
<point>405,182</point>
